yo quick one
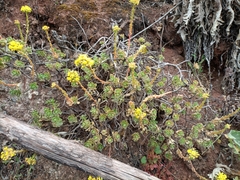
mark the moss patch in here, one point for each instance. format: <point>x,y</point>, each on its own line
<point>86,8</point>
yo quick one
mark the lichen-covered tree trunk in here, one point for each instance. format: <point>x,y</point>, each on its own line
<point>68,152</point>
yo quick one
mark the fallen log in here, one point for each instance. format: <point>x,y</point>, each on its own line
<point>68,152</point>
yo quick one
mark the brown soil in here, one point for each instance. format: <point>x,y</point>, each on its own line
<point>95,18</point>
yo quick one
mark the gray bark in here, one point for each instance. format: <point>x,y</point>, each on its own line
<point>68,152</point>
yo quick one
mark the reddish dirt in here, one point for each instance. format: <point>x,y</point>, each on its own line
<point>95,18</point>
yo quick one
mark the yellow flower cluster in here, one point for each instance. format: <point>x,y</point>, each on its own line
<point>84,61</point>
<point>221,176</point>
<point>31,160</point>
<point>45,28</point>
<point>134,2</point>
<point>26,9</point>
<point>132,65</point>
<point>142,49</point>
<point>193,153</point>
<point>139,114</point>
<point>93,178</point>
<point>116,29</point>
<point>73,76</point>
<point>196,66</point>
<point>7,153</point>
<point>15,46</point>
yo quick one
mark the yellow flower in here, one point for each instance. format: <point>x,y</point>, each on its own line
<point>84,61</point>
<point>139,114</point>
<point>132,65</point>
<point>53,85</point>
<point>196,66</point>
<point>91,63</point>
<point>16,22</point>
<point>227,126</point>
<point>143,49</point>
<point>15,46</point>
<point>193,153</point>
<point>31,160</point>
<point>93,178</point>
<point>26,9</point>
<point>7,153</point>
<point>45,28</point>
<point>116,29</point>
<point>221,176</point>
<point>73,76</point>
<point>134,2</point>
<point>205,95</point>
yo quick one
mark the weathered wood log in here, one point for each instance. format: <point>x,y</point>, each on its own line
<point>68,152</point>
